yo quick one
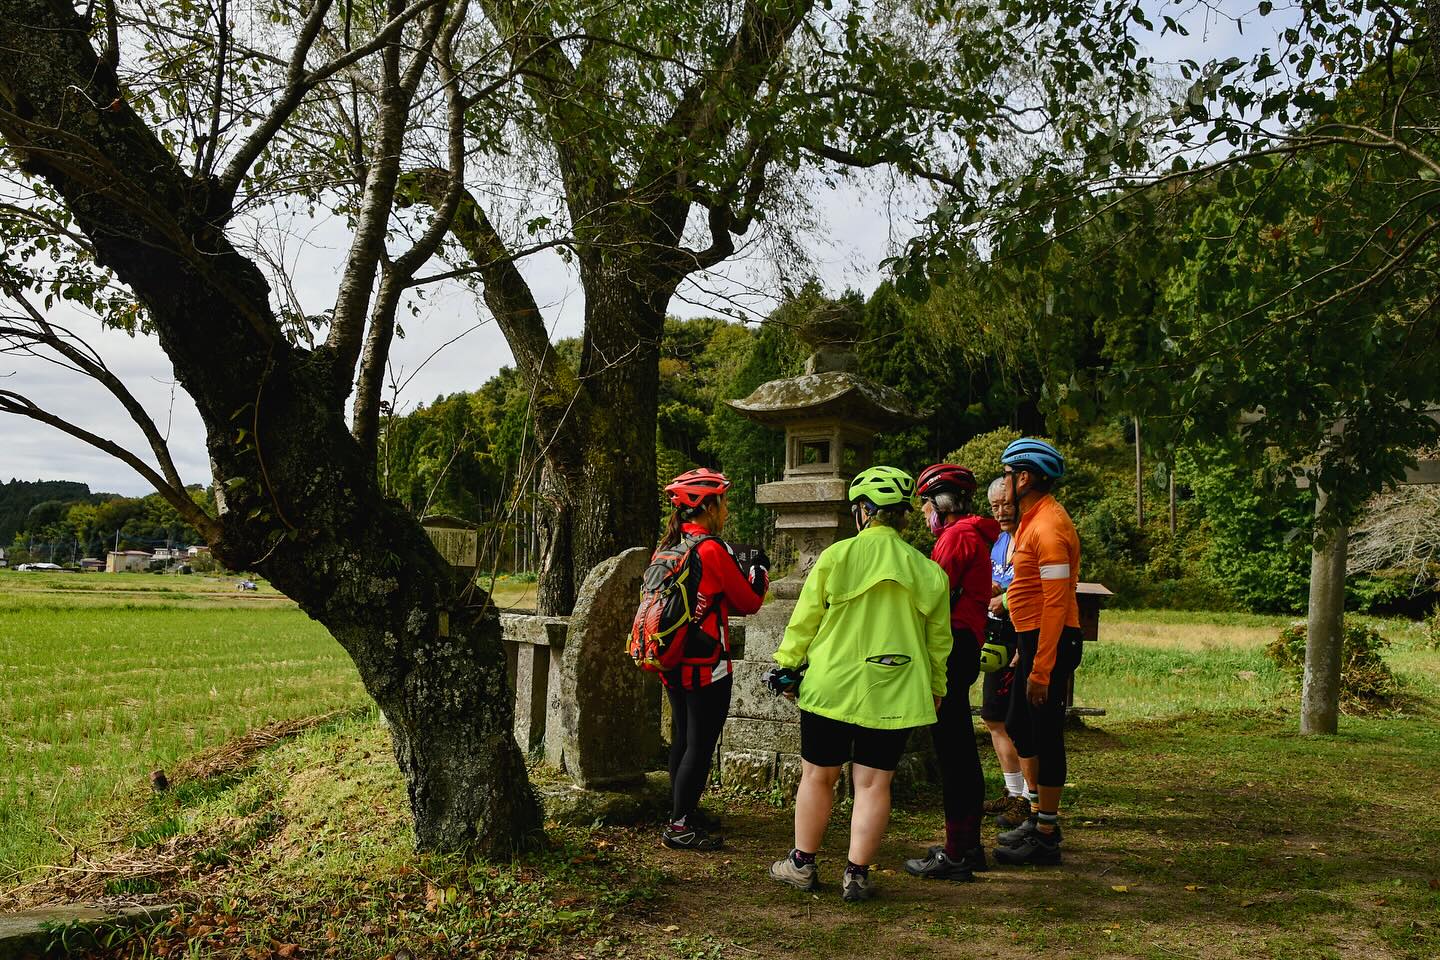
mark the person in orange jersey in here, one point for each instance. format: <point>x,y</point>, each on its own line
<point>1042,606</point>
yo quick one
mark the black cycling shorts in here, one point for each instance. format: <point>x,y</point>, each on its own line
<point>831,743</point>
<point>995,692</point>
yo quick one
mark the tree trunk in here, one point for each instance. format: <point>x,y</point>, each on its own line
<point>612,502</point>
<point>298,498</point>
<point>1139,479</point>
<point>1325,630</point>
<point>555,586</point>
<point>427,647</point>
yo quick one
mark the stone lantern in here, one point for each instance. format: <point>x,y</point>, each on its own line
<point>830,417</point>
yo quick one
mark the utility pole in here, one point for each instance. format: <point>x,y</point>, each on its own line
<point>1139,479</point>
<point>1172,498</point>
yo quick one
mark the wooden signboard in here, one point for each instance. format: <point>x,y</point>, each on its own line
<point>457,540</point>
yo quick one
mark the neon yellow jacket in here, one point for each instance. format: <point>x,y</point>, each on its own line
<point>873,619</point>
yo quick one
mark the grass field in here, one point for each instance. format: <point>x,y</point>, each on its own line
<point>1200,825</point>
<point>107,677</point>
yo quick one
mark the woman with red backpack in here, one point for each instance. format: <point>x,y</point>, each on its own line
<point>699,688</point>
<point>962,549</point>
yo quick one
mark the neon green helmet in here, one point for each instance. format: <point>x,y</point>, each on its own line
<point>993,657</point>
<point>883,486</point>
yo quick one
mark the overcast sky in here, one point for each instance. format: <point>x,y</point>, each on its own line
<point>860,228</point>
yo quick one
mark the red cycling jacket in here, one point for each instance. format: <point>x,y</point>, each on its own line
<point>963,551</point>
<point>724,589</point>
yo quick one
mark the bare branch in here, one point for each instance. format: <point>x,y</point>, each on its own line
<point>87,361</point>
<point>368,246</point>
<point>177,497</point>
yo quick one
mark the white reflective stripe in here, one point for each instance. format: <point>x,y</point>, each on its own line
<point>1055,571</point>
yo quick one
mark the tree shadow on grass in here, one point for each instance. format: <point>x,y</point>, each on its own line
<point>1204,837</point>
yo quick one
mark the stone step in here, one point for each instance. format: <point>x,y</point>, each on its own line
<point>26,934</point>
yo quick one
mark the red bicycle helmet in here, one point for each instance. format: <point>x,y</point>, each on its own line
<point>942,477</point>
<point>690,489</point>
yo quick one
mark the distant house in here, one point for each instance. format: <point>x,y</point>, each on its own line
<point>92,565</point>
<point>200,550</point>
<point>4,559</point>
<point>168,554</point>
<point>127,561</point>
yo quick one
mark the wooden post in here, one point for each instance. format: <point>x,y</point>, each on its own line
<point>1325,629</point>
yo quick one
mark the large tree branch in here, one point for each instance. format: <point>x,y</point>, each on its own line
<point>298,82</point>
<point>553,83</point>
<point>725,222</point>
<point>905,164</point>
<point>70,124</point>
<point>397,275</point>
<point>367,247</point>
<point>699,124</point>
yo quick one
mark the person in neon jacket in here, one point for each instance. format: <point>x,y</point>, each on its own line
<point>873,624</point>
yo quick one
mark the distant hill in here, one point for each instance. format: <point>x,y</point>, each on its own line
<point>19,497</point>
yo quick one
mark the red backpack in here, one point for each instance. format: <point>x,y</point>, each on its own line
<point>667,604</point>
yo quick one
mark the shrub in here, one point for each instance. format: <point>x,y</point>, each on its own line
<point>1432,629</point>
<point>981,454</point>
<point>1366,681</point>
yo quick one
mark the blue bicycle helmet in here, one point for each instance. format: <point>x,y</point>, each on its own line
<point>1029,453</point>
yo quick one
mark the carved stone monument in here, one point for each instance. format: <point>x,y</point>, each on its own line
<point>606,726</point>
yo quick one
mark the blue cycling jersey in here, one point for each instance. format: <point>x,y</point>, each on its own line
<point>1001,570</point>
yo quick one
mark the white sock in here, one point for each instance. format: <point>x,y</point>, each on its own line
<point>1015,783</point>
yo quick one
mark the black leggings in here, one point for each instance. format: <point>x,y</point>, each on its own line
<point>1040,731</point>
<point>962,782</point>
<point>696,719</point>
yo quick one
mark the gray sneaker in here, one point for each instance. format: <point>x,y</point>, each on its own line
<point>856,887</point>
<point>788,872</point>
<point>1018,836</point>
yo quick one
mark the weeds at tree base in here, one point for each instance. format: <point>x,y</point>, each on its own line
<point>1367,683</point>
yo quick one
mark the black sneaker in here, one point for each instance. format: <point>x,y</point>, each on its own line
<point>690,837</point>
<point>1036,848</point>
<point>974,860</point>
<point>937,865</point>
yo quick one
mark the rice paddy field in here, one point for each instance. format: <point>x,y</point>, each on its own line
<point>105,678</point>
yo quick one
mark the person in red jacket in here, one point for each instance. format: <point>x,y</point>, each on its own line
<point>962,549</point>
<point>699,688</point>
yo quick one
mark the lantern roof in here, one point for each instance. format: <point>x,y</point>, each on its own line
<point>834,395</point>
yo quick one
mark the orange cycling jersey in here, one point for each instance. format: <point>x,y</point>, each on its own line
<point>1047,566</point>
